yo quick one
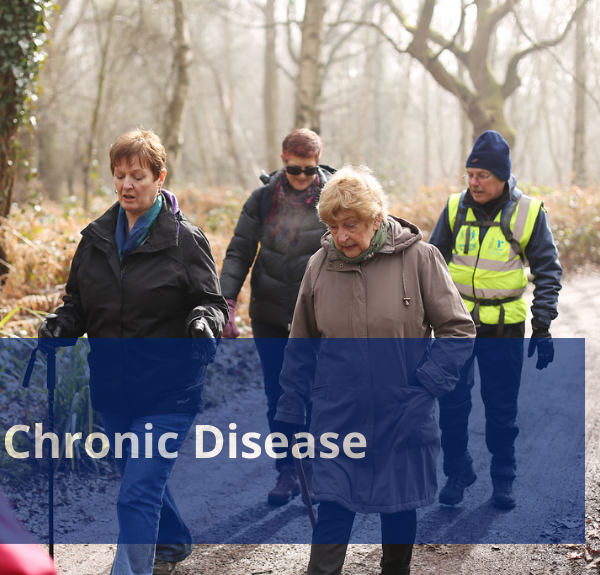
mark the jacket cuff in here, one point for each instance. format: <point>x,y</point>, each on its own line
<point>291,411</point>
<point>537,323</point>
<point>433,380</point>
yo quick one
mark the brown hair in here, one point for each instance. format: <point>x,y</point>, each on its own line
<point>303,143</point>
<point>353,189</point>
<point>142,144</point>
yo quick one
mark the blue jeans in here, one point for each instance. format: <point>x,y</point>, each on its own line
<point>270,343</point>
<point>146,509</point>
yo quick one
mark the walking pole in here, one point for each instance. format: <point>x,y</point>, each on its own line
<point>51,384</point>
<point>303,486</point>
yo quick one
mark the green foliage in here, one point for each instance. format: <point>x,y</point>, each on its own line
<point>72,403</point>
<point>23,27</point>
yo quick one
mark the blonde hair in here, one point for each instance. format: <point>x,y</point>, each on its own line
<point>353,189</point>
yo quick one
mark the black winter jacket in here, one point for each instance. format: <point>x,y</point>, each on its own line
<point>280,265</point>
<point>156,292</point>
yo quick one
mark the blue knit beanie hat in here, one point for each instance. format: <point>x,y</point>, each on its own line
<point>491,152</point>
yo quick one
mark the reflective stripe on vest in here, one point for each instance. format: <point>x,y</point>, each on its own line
<point>492,269</point>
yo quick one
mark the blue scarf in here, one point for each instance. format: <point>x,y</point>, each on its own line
<point>128,241</point>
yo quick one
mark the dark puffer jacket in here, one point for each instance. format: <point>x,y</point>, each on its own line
<point>281,261</point>
<point>138,312</point>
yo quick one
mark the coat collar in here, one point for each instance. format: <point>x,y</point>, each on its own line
<point>401,235</point>
<point>164,234</point>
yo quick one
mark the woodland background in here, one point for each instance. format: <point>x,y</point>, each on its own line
<point>404,87</point>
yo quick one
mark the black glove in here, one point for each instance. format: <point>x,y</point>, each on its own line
<point>205,340</point>
<point>51,334</point>
<point>288,429</point>
<point>541,339</point>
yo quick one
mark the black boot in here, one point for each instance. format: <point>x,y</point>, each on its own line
<point>503,497</point>
<point>396,558</point>
<point>452,493</point>
<point>326,558</point>
<point>287,486</point>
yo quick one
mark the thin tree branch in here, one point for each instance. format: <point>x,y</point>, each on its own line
<point>512,80</point>
<point>457,51</point>
<point>376,27</point>
<point>435,36</point>
<point>342,39</point>
<point>424,24</point>
<point>501,11</point>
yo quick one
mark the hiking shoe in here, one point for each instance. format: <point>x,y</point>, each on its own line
<point>308,473</point>
<point>502,496</point>
<point>287,486</point>
<point>164,567</point>
<point>452,493</point>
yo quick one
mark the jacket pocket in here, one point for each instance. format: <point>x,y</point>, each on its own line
<point>421,418</point>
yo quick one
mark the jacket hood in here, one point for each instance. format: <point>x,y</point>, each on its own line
<point>172,202</point>
<point>401,235</point>
<point>512,187</point>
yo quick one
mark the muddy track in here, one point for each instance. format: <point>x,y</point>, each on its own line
<point>269,552</point>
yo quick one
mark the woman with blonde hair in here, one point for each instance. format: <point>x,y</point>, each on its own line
<point>369,301</point>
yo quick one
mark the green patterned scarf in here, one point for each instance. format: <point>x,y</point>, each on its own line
<point>377,243</point>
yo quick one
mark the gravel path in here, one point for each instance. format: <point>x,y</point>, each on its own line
<point>579,317</point>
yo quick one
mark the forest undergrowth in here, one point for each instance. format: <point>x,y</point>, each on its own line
<point>40,238</point>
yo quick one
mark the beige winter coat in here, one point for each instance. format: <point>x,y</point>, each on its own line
<point>382,378</point>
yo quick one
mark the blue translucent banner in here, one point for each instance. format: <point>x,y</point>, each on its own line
<point>372,438</point>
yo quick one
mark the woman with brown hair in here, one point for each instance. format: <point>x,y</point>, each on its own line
<point>143,285</point>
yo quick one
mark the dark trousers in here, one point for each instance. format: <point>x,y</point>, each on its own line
<point>270,343</point>
<point>332,533</point>
<point>500,364</point>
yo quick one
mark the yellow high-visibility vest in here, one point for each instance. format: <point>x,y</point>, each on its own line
<point>490,274</point>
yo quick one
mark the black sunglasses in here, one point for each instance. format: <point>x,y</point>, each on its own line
<point>297,170</point>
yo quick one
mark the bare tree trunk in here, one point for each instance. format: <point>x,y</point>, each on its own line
<point>550,124</point>
<point>465,128</point>
<point>226,102</point>
<point>310,76</point>
<point>173,126</point>
<point>425,121</point>
<point>204,162</point>
<point>8,156</point>
<point>90,151</point>
<point>271,90</point>
<point>579,146</point>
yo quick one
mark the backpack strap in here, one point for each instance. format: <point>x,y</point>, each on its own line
<point>459,220</point>
<point>505,219</point>
<point>505,226</point>
<point>318,263</point>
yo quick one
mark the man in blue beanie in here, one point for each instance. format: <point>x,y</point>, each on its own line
<point>486,233</point>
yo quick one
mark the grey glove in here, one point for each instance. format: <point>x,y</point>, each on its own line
<point>205,340</point>
<point>542,340</point>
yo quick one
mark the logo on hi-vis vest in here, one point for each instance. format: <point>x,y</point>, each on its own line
<point>497,245</point>
<point>472,241</point>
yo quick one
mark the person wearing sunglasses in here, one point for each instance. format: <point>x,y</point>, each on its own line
<point>486,233</point>
<point>280,218</point>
